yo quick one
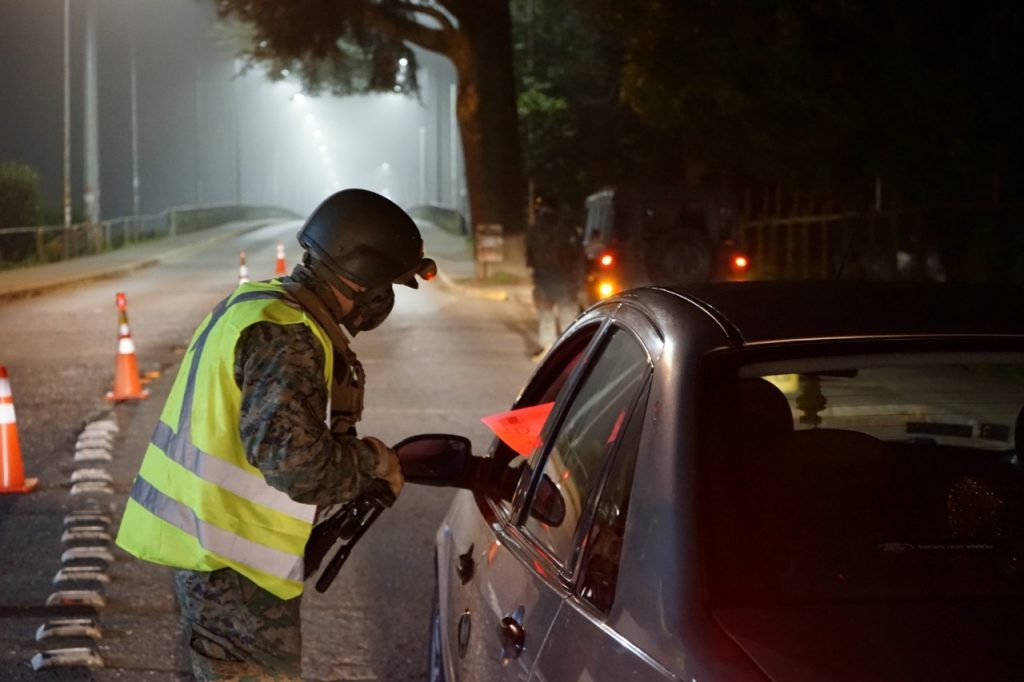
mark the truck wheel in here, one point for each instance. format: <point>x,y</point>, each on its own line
<point>679,257</point>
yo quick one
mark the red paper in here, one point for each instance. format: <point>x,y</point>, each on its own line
<point>520,429</point>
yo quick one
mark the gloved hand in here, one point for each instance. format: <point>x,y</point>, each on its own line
<point>388,467</point>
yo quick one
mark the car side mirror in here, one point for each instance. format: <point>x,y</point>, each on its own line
<point>438,459</point>
<point>548,504</point>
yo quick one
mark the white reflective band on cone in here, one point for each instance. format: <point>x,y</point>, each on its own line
<point>125,346</point>
<point>6,413</point>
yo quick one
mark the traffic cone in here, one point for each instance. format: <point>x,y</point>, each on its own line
<point>243,269</point>
<point>12,471</point>
<point>127,385</point>
<point>279,266</point>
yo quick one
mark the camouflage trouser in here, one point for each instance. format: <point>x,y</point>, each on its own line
<point>554,315</point>
<point>235,630</point>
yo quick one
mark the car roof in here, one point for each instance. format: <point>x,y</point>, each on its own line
<point>753,312</point>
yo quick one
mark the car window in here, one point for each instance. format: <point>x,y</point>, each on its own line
<point>600,564</point>
<point>592,426</point>
<point>547,386</point>
<point>874,477</point>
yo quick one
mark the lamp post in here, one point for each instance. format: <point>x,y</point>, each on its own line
<point>67,126</point>
<point>135,129</point>
<point>90,129</point>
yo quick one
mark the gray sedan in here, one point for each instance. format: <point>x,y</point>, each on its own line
<point>752,481</point>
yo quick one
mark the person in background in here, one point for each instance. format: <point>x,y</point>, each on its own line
<point>554,253</point>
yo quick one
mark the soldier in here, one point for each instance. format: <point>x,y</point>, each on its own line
<point>554,253</point>
<point>258,439</point>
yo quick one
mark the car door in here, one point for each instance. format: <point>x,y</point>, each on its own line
<point>522,573</point>
<point>579,644</point>
<point>477,552</point>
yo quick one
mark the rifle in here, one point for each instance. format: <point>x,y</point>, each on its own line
<point>347,525</point>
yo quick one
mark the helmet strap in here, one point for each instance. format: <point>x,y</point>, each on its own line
<point>323,281</point>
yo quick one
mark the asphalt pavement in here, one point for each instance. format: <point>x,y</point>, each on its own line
<point>142,596</point>
<point>453,253</point>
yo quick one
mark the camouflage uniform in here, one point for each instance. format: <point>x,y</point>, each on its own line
<point>236,629</point>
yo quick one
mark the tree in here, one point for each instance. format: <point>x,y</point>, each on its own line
<point>19,195</point>
<point>830,95</point>
<point>355,46</point>
<point>578,132</point>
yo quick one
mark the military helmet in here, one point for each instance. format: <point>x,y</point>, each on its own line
<point>366,238</point>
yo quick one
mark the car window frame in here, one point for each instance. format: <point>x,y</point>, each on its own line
<point>580,550</point>
<point>545,375</point>
<point>646,334</point>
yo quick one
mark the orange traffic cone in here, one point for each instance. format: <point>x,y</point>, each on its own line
<point>12,471</point>
<point>126,372</point>
<point>279,265</point>
<point>243,269</point>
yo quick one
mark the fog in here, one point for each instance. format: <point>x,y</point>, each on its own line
<point>207,133</point>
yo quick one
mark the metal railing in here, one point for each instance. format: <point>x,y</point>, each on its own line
<point>23,246</point>
<point>956,243</point>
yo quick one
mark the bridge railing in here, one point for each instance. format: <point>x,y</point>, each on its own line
<point>22,246</point>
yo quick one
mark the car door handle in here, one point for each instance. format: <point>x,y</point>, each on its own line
<point>465,627</point>
<point>513,635</point>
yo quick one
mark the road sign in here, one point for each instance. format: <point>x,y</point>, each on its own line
<point>490,242</point>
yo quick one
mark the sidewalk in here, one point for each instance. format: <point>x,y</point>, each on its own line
<point>29,281</point>
<point>457,270</point>
<point>453,253</point>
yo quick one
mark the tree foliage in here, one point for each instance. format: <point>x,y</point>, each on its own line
<point>832,94</point>
<point>578,132</point>
<point>19,195</point>
<point>329,46</point>
<point>813,96</point>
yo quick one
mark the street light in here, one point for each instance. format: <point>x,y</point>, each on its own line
<point>67,124</point>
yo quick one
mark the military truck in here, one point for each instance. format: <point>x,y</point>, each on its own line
<point>635,236</point>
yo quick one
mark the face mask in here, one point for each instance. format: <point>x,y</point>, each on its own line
<point>369,309</point>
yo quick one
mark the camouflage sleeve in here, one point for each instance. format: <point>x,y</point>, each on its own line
<point>279,369</point>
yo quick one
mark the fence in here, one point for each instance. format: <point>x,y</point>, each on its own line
<point>46,244</point>
<point>957,243</point>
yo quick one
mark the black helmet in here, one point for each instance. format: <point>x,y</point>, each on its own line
<point>365,238</point>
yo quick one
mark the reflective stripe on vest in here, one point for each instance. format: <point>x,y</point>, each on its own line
<point>229,515</point>
<point>227,545</point>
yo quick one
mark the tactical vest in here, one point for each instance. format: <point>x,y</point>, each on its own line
<point>197,503</point>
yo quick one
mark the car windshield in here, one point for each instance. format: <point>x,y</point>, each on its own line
<point>870,478</point>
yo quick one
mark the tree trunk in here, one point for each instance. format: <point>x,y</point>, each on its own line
<point>488,122</point>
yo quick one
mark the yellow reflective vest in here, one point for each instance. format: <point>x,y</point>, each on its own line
<point>197,503</point>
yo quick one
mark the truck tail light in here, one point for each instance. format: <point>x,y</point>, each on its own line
<point>606,260</point>
<point>606,288</point>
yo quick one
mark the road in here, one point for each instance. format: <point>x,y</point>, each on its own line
<point>438,364</point>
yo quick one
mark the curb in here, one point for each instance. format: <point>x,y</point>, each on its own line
<point>498,294</point>
<point>113,271</point>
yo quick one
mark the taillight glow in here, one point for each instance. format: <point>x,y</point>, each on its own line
<point>605,288</point>
<point>740,262</point>
<point>606,260</point>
